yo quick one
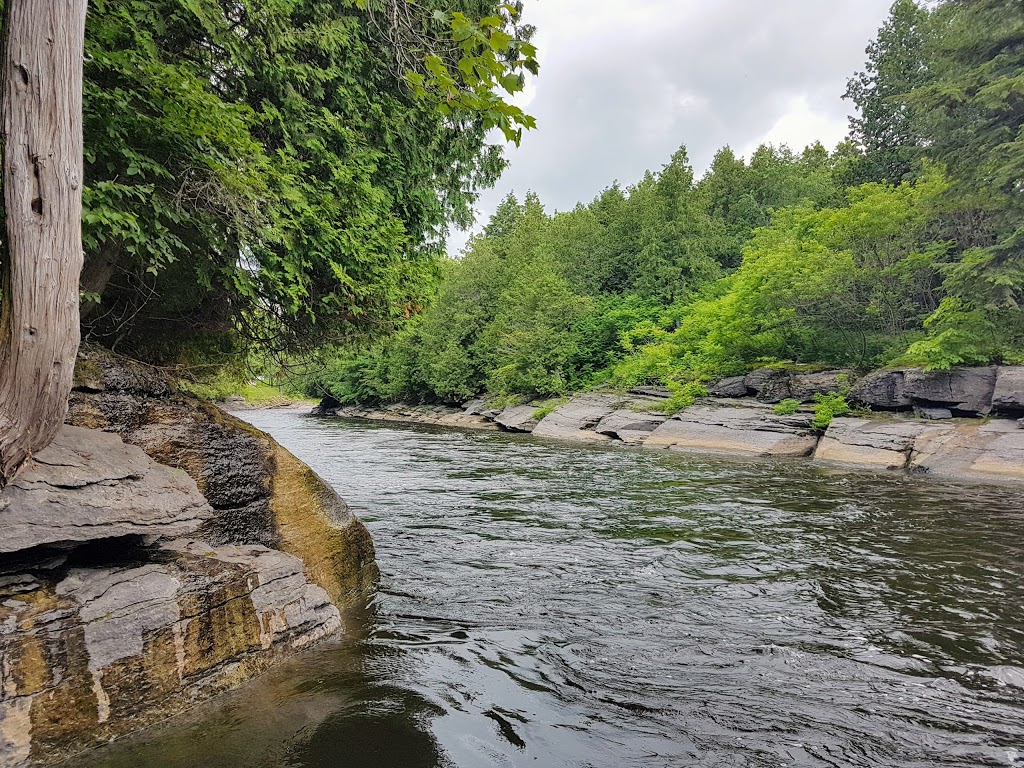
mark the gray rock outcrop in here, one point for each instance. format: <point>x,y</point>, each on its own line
<point>753,431</point>
<point>159,551</point>
<point>882,390</point>
<point>517,418</point>
<point>966,390</point>
<point>259,492</point>
<point>875,443</point>
<point>769,382</point>
<point>804,386</point>
<point>631,427</point>
<point>577,419</point>
<point>932,413</point>
<point>90,485</point>
<point>90,653</point>
<point>732,386</point>
<point>992,451</point>
<point>436,415</point>
<point>1008,396</point>
<point>963,450</point>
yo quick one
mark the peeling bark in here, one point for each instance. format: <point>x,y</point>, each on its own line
<point>41,123</point>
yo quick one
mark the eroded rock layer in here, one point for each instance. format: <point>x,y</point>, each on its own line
<point>158,552</point>
<point>260,494</point>
<point>92,652</point>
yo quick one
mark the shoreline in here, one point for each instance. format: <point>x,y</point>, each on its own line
<point>974,450</point>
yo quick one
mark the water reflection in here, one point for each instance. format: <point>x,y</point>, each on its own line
<point>558,605</point>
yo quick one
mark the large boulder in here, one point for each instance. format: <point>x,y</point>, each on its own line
<point>769,384</point>
<point>632,427</point>
<point>576,419</point>
<point>93,652</point>
<point>962,390</point>
<point>89,485</point>
<point>260,494</point>
<point>753,431</point>
<point>1008,396</point>
<point>730,387</point>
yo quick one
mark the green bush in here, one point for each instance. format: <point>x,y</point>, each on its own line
<point>827,407</point>
<point>787,407</point>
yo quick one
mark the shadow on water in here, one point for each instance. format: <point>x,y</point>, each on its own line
<point>546,604</point>
<point>331,706</point>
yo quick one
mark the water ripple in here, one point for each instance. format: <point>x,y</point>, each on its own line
<point>555,605</point>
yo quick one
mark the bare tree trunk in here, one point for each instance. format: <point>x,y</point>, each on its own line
<point>41,121</point>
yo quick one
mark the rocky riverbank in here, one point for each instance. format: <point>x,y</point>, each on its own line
<point>158,552</point>
<point>964,424</point>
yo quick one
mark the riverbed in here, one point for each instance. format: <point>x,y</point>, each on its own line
<point>548,604</point>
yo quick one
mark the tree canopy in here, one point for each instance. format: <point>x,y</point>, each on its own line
<point>283,171</point>
<point>901,246</point>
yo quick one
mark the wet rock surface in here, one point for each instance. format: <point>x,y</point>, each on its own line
<point>159,551</point>
<point>259,493</point>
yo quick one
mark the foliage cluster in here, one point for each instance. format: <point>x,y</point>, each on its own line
<point>283,172</point>
<point>904,245</point>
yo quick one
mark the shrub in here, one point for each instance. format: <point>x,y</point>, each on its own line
<point>827,407</point>
<point>787,407</point>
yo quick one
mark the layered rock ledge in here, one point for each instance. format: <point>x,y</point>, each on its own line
<point>91,652</point>
<point>962,425</point>
<point>158,552</point>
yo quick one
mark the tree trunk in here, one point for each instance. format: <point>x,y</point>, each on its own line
<point>41,123</point>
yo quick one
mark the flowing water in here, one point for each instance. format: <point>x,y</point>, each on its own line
<point>545,604</point>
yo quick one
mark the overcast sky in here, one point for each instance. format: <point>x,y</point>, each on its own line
<point>624,82</point>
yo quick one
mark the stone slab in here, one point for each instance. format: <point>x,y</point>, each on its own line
<point>95,653</point>
<point>89,485</point>
<point>741,430</point>
<point>578,418</point>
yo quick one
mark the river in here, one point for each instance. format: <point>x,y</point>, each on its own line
<point>544,604</point>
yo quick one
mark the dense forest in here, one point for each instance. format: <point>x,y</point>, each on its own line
<point>901,246</point>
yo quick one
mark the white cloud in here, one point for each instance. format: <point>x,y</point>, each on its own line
<point>624,82</point>
<point>799,126</point>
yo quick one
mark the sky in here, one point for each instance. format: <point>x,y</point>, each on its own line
<point>624,83</point>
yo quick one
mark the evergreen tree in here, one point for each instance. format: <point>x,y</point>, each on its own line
<point>884,127</point>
